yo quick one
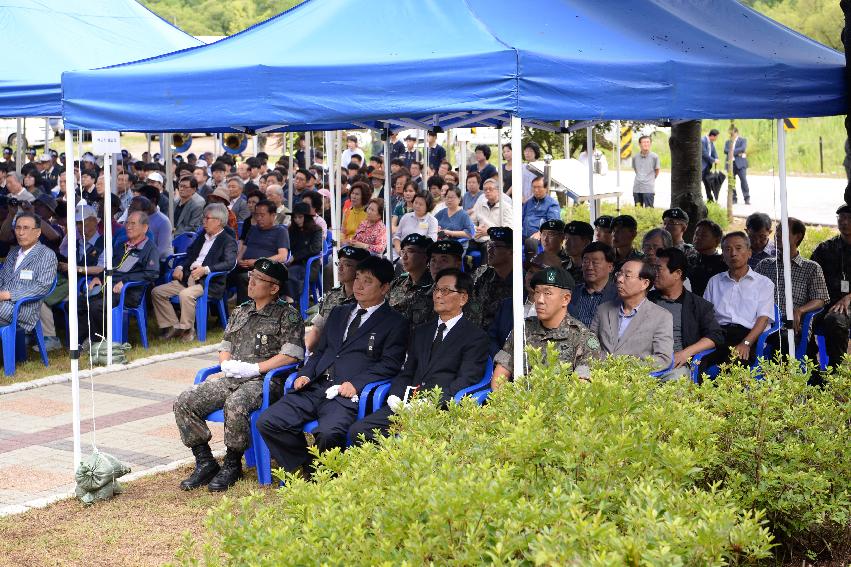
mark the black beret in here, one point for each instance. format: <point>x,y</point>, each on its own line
<point>843,209</point>
<point>604,221</point>
<point>625,220</point>
<point>353,253</point>
<point>501,234</point>
<point>556,277</point>
<point>273,269</point>
<point>579,228</point>
<point>553,224</point>
<point>676,213</point>
<point>451,247</point>
<point>418,240</point>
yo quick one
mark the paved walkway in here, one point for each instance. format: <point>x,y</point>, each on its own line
<point>133,421</point>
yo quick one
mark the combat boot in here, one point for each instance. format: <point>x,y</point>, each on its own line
<point>206,468</point>
<point>230,473</point>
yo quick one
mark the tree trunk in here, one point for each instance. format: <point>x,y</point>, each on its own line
<point>846,43</point>
<point>686,184</point>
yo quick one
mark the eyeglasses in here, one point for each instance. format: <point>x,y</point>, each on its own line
<point>444,291</point>
<point>19,228</point>
<point>626,276</point>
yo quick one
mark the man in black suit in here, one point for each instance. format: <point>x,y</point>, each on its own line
<point>215,251</point>
<point>360,343</point>
<point>449,352</point>
<point>740,162</point>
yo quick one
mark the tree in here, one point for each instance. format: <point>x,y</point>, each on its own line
<point>685,172</point>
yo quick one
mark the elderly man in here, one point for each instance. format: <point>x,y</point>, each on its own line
<point>275,193</point>
<point>743,301</point>
<point>15,188</point>
<point>758,227</point>
<point>265,240</point>
<point>631,325</point>
<point>449,353</point>
<point>598,262</point>
<point>189,209</point>
<point>262,334</point>
<point>215,252</point>
<point>493,208</point>
<point>238,204</point>
<point>551,324</point>
<point>29,270</point>
<point>134,260</point>
<point>541,207</point>
<point>158,223</point>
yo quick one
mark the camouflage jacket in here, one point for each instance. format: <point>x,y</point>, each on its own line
<point>575,343</point>
<point>329,301</point>
<point>254,336</point>
<point>411,300</point>
<point>488,292</point>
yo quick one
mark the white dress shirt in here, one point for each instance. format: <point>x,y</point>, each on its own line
<point>449,324</point>
<point>741,302</point>
<point>21,255</point>
<point>205,249</point>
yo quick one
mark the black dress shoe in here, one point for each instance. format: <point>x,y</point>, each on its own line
<point>230,472</point>
<point>206,468</point>
<point>170,333</point>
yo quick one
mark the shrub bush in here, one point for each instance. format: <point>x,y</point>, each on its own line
<point>619,470</point>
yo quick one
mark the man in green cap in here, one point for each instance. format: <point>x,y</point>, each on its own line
<point>576,344</point>
<point>348,259</point>
<point>410,293</point>
<point>262,334</point>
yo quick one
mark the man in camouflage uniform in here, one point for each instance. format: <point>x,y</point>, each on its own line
<point>410,294</point>
<point>577,235</point>
<point>675,221</point>
<point>575,343</point>
<point>444,254</point>
<point>262,334</point>
<point>492,282</point>
<point>624,231</point>
<point>603,229</point>
<point>348,259</point>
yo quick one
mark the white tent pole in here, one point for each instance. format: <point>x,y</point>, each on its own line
<point>107,238</point>
<point>387,210</point>
<point>46,137</point>
<point>498,156</point>
<point>148,138</point>
<point>462,170</point>
<point>784,219</point>
<point>19,147</point>
<point>333,184</point>
<point>566,139</point>
<point>308,138</point>
<point>290,173</point>
<point>73,334</point>
<point>338,174</point>
<point>589,149</point>
<point>169,177</point>
<point>517,246</point>
<point>617,152</point>
<point>424,168</point>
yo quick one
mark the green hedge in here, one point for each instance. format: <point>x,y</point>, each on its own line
<point>559,471</point>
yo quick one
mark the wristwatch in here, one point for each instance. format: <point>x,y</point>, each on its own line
<point>746,342</point>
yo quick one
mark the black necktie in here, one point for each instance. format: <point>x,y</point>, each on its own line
<point>438,339</point>
<point>353,326</point>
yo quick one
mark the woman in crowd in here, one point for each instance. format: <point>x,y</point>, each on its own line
<point>420,220</point>
<point>372,233</point>
<point>359,196</point>
<point>406,205</point>
<point>454,222</point>
<point>33,182</point>
<point>305,241</point>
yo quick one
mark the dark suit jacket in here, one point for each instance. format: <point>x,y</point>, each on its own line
<point>698,319</point>
<point>375,351</point>
<point>709,155</point>
<point>458,362</point>
<point>739,162</point>
<point>220,258</point>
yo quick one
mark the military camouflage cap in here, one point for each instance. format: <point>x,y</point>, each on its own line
<point>556,277</point>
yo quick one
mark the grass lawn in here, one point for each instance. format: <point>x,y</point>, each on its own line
<point>144,526</point>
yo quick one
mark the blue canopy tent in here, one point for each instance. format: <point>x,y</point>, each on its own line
<point>330,64</point>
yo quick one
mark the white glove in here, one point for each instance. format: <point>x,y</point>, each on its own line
<point>395,403</point>
<point>332,392</point>
<point>229,368</point>
<point>248,369</point>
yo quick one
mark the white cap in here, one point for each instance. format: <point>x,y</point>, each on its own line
<point>155,176</point>
<point>200,163</point>
<point>45,158</point>
<point>84,212</point>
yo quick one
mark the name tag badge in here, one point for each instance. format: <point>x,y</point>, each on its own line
<point>28,275</point>
<point>844,287</point>
<point>423,225</point>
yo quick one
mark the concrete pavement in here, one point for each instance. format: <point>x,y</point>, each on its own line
<point>132,420</point>
<point>813,200</point>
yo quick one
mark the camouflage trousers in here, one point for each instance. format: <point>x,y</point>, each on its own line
<point>237,398</point>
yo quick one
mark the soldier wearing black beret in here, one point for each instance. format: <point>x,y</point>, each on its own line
<point>624,231</point>
<point>410,294</point>
<point>676,221</point>
<point>578,235</point>
<point>603,229</point>
<point>492,282</point>
<point>348,257</point>
<point>444,254</point>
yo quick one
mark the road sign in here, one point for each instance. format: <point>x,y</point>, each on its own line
<point>790,124</point>
<point>626,142</point>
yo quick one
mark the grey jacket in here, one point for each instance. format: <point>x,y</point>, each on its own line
<point>191,215</point>
<point>33,277</point>
<point>650,333</point>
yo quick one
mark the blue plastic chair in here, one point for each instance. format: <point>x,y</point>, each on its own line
<point>713,371</point>
<point>252,455</point>
<point>121,315</point>
<point>659,373</point>
<point>327,247</point>
<point>312,286</point>
<point>203,303</point>
<point>13,339</point>
<point>481,396</point>
<point>183,241</point>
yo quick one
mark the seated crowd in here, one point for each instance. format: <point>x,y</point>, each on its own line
<point>428,308</point>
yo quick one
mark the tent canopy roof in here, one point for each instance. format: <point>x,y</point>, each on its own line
<point>50,37</point>
<point>331,64</point>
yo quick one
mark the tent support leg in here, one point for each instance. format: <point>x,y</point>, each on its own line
<point>517,250</point>
<point>784,220</point>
